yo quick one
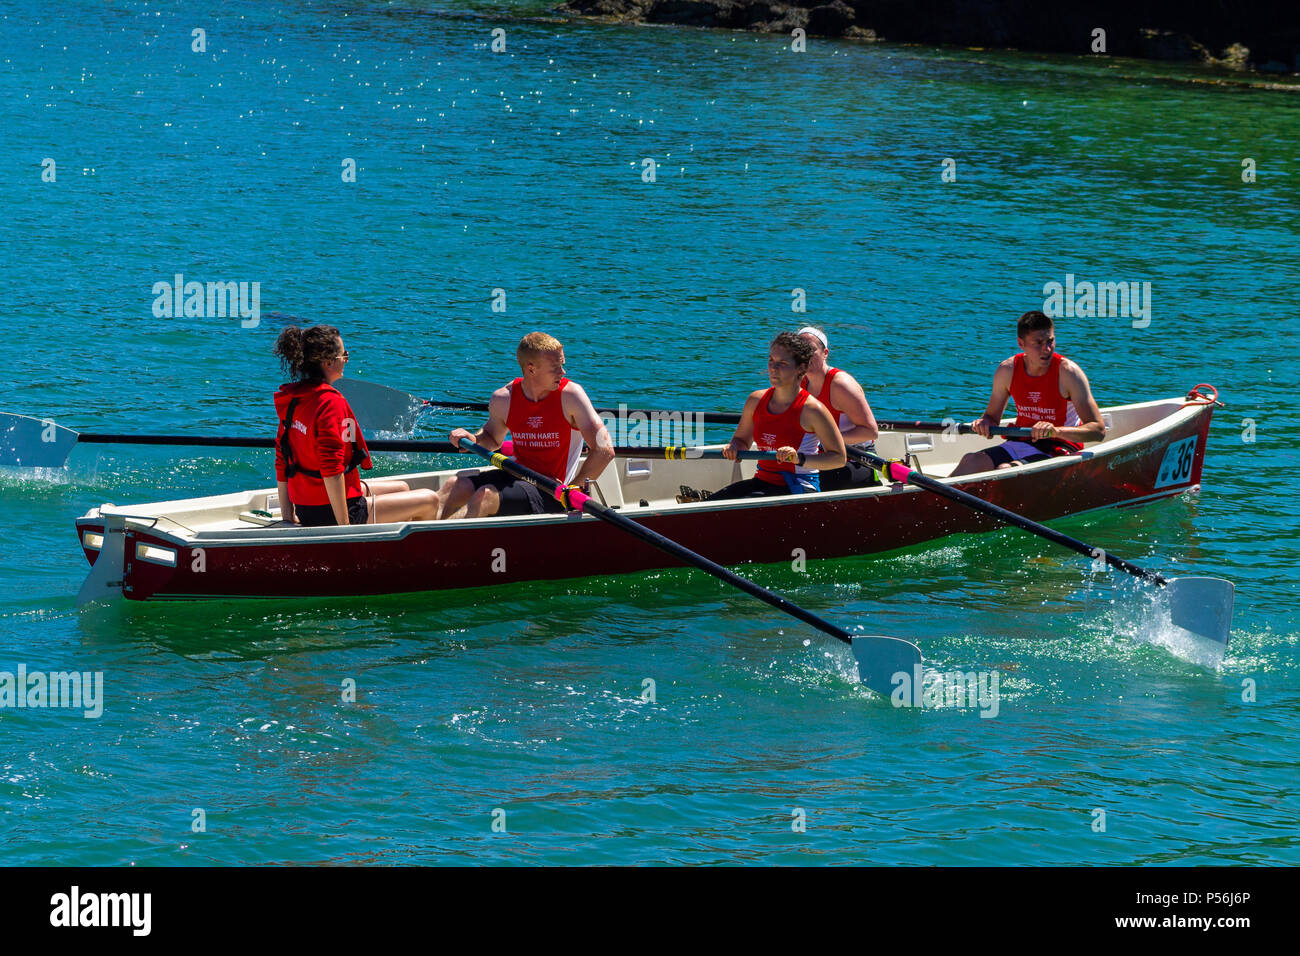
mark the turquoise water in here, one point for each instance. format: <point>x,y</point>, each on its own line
<point>522,171</point>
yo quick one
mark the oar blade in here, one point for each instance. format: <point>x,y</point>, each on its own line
<point>1202,605</point>
<point>379,408</point>
<point>880,658</point>
<point>33,443</point>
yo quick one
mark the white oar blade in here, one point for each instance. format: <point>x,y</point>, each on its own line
<point>379,408</point>
<point>881,658</point>
<point>33,443</point>
<point>1202,605</point>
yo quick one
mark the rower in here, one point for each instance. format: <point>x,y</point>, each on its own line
<point>844,399</point>
<point>1052,397</point>
<point>781,419</point>
<point>548,418</point>
<point>319,447</point>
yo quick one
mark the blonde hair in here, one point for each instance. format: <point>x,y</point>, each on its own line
<point>536,344</point>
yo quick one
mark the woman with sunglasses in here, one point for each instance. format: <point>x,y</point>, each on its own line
<point>319,449</point>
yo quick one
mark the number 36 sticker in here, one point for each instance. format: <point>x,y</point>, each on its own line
<point>1176,466</point>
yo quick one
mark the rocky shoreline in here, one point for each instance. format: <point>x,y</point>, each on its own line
<point>1247,39</point>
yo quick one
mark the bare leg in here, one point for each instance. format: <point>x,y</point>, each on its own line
<point>453,495</point>
<point>484,504</point>
<point>973,462</point>
<point>383,486</point>
<point>418,505</point>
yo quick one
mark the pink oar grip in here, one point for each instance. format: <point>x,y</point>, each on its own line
<point>508,448</point>
<point>898,471</point>
<point>576,498</point>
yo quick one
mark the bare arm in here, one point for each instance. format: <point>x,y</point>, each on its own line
<point>336,488</point>
<point>494,431</point>
<point>1079,392</point>
<point>816,419</point>
<point>582,414</point>
<point>287,512</point>
<point>744,434</point>
<point>998,401</point>
<point>847,395</point>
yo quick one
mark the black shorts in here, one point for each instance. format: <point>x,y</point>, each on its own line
<point>518,497</point>
<point>749,488</point>
<point>853,475</point>
<point>322,516</point>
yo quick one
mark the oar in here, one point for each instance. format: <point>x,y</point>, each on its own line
<point>680,453</point>
<point>879,658</point>
<point>382,409</point>
<point>1201,605</point>
<point>32,443</point>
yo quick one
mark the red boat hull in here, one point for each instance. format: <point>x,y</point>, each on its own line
<point>434,558</point>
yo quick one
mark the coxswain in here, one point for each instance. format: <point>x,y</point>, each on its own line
<point>789,421</point>
<point>1052,397</point>
<point>319,449</point>
<point>844,399</point>
<point>548,417</point>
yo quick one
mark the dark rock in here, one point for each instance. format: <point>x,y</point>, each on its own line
<point>831,19</point>
<point>1236,57</point>
<point>774,17</point>
<point>1168,45</point>
<point>695,13</point>
<point>617,9</point>
<point>1249,34</point>
<point>861,33</point>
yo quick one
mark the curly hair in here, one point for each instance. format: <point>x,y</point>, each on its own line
<point>303,351</point>
<point>799,348</point>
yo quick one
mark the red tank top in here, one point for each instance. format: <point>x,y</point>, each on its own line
<point>1038,398</point>
<point>824,396</point>
<point>772,431</point>
<point>544,439</point>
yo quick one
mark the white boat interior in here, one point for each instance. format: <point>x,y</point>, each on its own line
<point>632,485</point>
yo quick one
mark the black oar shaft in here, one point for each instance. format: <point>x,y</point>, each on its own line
<point>397,444</point>
<point>725,418</point>
<point>667,545</point>
<point>680,453</point>
<point>236,441</point>
<point>1010,517</point>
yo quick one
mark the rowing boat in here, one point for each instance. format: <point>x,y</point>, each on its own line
<point>234,545</point>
